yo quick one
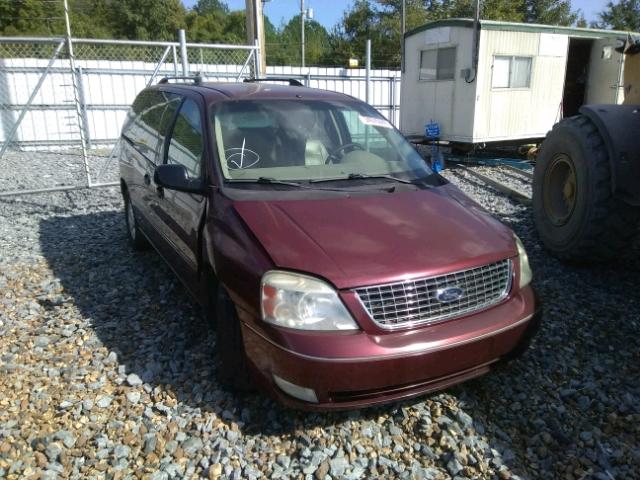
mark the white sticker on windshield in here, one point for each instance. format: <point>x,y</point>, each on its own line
<point>375,122</point>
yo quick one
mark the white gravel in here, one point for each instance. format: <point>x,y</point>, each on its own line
<point>103,372</point>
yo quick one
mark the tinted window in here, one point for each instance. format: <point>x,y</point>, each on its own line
<point>438,64</point>
<point>186,145</point>
<point>148,120</point>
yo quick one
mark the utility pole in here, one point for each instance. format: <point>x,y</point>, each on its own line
<point>403,28</point>
<point>403,21</point>
<point>255,31</point>
<point>302,15</point>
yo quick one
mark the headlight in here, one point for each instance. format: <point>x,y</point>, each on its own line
<point>525,269</point>
<point>297,301</point>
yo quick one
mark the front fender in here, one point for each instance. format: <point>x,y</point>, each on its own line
<point>619,126</point>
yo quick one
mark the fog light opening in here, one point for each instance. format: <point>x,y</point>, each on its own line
<point>296,391</point>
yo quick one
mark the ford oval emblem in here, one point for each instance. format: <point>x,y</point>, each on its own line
<point>449,294</point>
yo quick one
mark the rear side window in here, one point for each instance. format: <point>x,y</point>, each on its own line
<point>186,144</point>
<point>149,119</point>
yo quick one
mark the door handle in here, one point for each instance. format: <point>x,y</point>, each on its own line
<point>147,179</point>
<point>160,191</point>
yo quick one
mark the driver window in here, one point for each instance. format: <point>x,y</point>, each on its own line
<point>186,145</point>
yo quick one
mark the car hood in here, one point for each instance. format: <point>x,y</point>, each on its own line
<point>378,238</point>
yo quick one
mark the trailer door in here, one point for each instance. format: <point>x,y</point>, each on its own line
<point>605,69</point>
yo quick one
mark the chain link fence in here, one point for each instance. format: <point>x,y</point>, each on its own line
<point>59,126</point>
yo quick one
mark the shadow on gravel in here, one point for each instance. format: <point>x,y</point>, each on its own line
<point>139,309</point>
<point>563,409</point>
<point>566,407</point>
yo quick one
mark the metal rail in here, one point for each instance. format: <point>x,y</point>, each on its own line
<point>519,171</point>
<point>501,187</point>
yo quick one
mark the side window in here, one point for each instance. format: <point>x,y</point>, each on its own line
<point>511,72</point>
<point>142,102</point>
<point>438,64</point>
<point>148,120</point>
<point>186,144</point>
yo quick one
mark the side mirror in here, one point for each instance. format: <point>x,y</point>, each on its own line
<point>175,177</point>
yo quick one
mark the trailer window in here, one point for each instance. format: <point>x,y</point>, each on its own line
<point>511,72</point>
<point>438,64</point>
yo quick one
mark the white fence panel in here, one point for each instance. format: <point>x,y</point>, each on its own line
<point>110,86</point>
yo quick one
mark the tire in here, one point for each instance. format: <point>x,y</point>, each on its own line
<point>210,308</point>
<point>136,238</point>
<point>576,214</point>
<point>233,372</point>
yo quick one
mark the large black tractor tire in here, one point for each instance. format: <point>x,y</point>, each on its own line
<point>233,373</point>
<point>577,216</point>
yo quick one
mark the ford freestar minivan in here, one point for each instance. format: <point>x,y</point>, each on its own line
<point>340,270</point>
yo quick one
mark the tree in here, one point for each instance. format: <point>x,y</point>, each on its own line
<point>367,20</point>
<point>284,47</point>
<point>30,17</point>
<point>147,19</point>
<point>623,15</point>
<point>549,12</point>
<point>204,7</point>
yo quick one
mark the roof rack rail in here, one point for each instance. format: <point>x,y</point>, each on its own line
<point>197,78</point>
<point>292,81</point>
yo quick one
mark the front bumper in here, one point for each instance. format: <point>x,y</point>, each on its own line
<point>361,369</point>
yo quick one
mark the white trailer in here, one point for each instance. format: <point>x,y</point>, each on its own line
<point>527,78</point>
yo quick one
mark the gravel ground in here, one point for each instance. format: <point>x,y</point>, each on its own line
<point>104,373</point>
<point>55,169</point>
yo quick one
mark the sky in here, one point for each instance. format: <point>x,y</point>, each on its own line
<point>329,12</point>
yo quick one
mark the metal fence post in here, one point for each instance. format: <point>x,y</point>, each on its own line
<point>258,59</point>
<point>16,125</point>
<point>367,90</point>
<point>175,60</point>
<point>83,106</point>
<point>76,94</point>
<point>182,37</point>
<point>392,98</point>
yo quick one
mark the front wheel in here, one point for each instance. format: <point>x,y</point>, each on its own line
<point>136,237</point>
<point>234,367</point>
<point>576,213</point>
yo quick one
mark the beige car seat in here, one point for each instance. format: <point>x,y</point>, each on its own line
<point>315,153</point>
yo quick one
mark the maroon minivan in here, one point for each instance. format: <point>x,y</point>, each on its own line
<point>341,271</point>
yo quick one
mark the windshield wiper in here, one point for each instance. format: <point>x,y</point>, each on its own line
<point>272,180</point>
<point>357,176</point>
<point>275,181</point>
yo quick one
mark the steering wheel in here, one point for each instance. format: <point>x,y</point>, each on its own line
<point>334,155</point>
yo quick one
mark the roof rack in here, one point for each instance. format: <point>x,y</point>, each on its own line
<point>292,81</point>
<point>197,78</point>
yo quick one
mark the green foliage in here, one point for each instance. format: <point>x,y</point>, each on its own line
<point>204,7</point>
<point>622,15</point>
<point>379,20</point>
<point>147,19</point>
<point>211,21</point>
<point>284,47</point>
<point>549,12</point>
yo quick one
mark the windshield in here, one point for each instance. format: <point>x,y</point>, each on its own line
<point>307,140</point>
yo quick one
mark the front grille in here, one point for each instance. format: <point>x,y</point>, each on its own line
<point>415,302</point>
